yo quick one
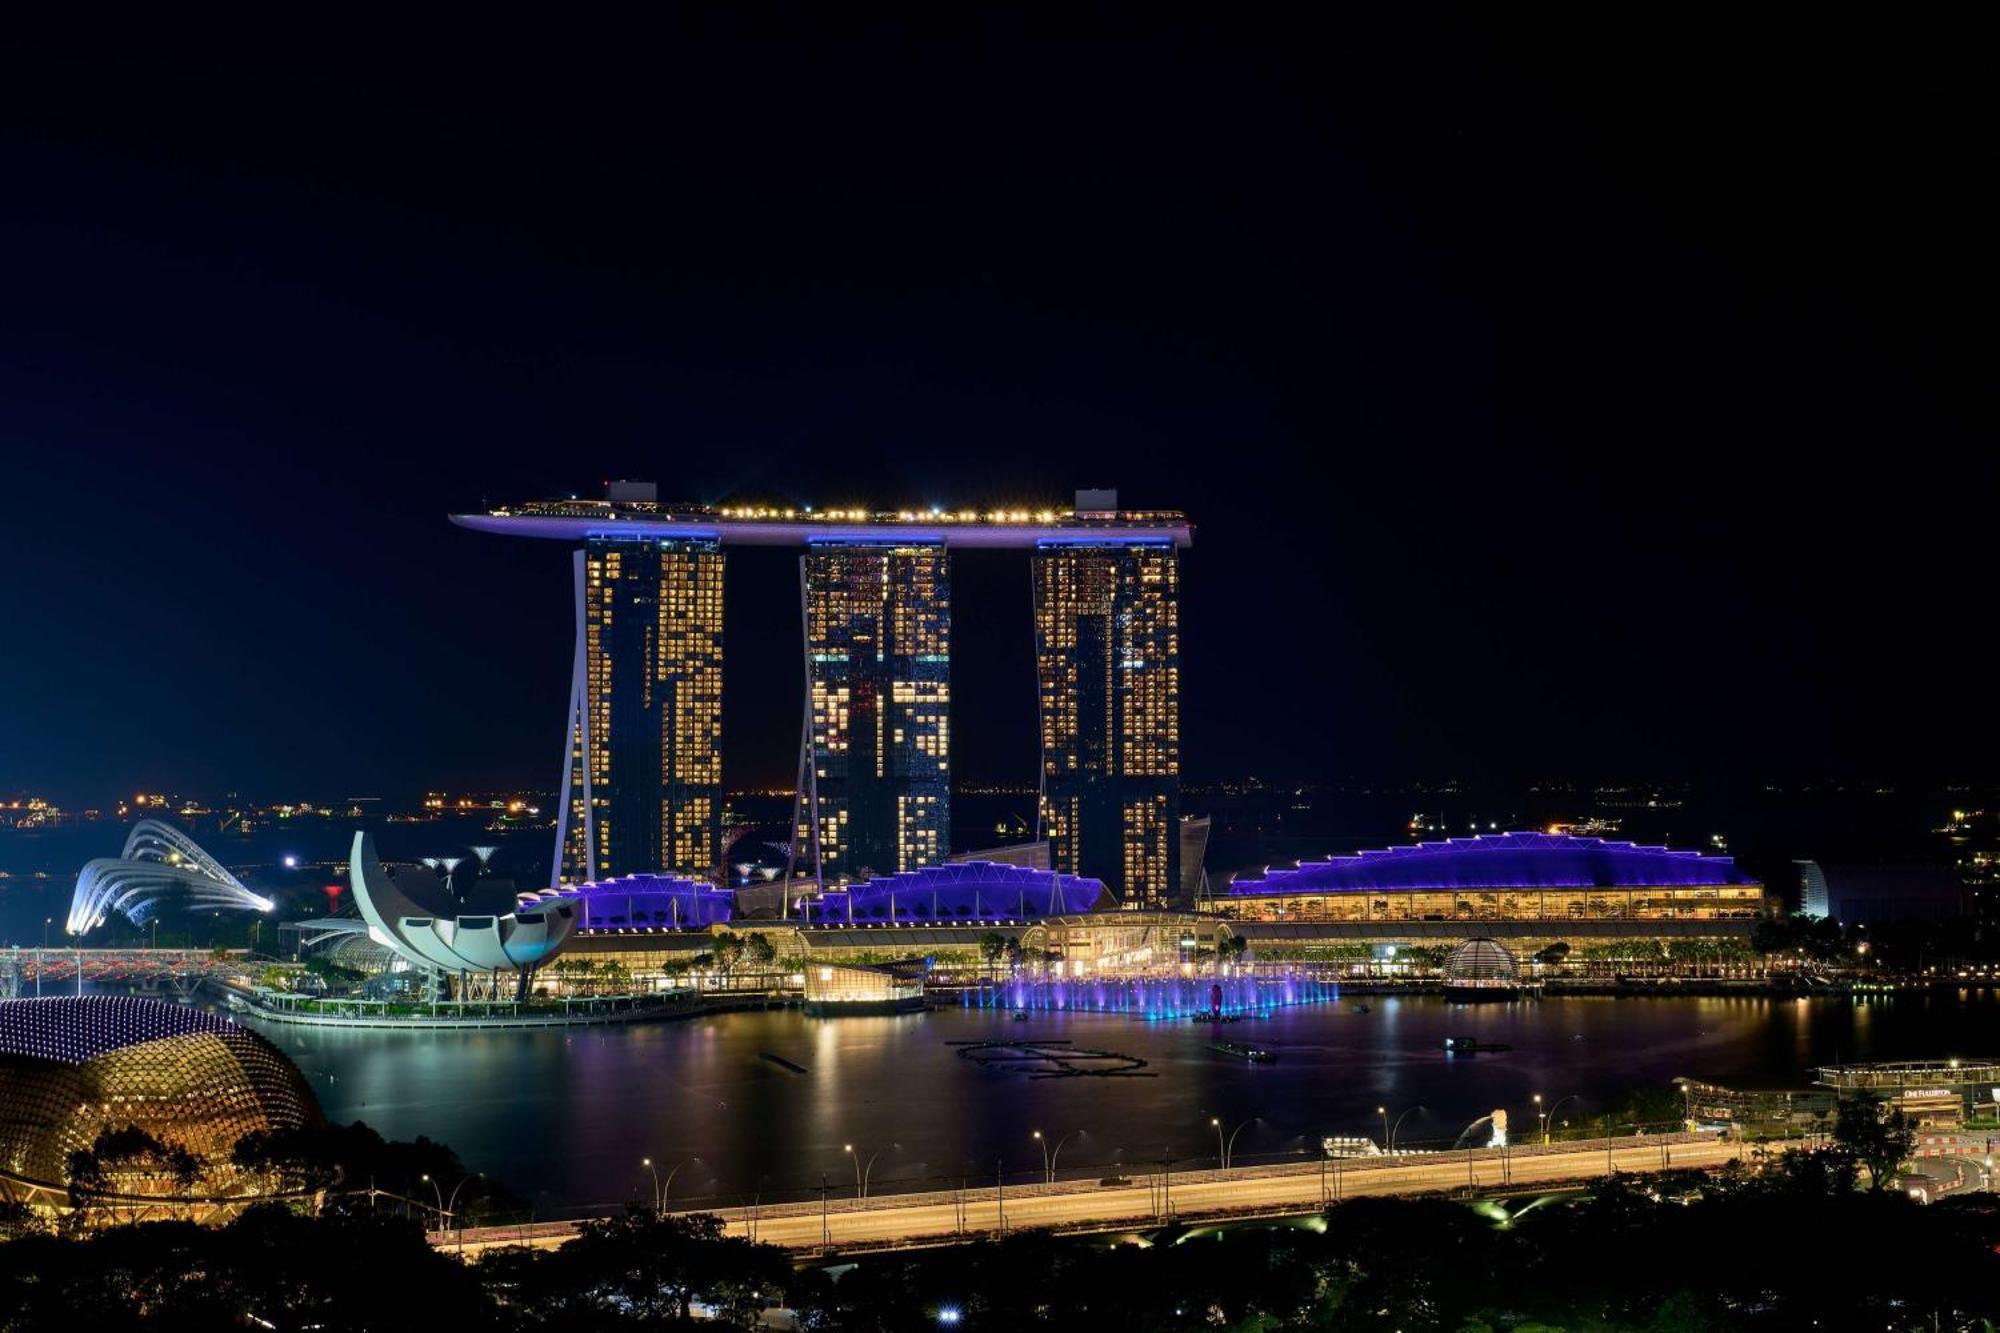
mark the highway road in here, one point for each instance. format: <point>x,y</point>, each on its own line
<point>893,1221</point>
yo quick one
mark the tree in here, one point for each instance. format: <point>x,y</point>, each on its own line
<point>17,1219</point>
<point>127,1151</point>
<point>325,1159</point>
<point>991,945</point>
<point>760,949</point>
<point>334,975</point>
<point>728,951</point>
<point>650,1269</point>
<point>1880,1141</point>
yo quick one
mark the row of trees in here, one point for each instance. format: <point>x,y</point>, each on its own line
<point>1907,945</point>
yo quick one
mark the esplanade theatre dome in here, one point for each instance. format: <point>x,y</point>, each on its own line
<point>75,1067</point>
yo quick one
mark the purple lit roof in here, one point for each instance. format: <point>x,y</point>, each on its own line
<point>1501,861</point>
<point>968,890</point>
<point>75,1028</point>
<point>648,900</point>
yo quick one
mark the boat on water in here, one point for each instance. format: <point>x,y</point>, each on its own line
<point>1020,1015</point>
<point>1256,1055</point>
<point>1362,1009</point>
<point>1473,1046</point>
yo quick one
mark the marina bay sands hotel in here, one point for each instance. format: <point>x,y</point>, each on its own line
<point>642,776</point>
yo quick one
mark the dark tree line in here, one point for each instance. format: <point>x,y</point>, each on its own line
<point>1804,1239</point>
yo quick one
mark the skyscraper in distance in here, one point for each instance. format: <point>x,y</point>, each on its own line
<point>876,752</point>
<point>1107,650</point>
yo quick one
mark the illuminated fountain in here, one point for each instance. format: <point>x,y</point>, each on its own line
<point>1155,997</point>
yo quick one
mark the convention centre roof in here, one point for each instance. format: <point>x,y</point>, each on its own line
<point>1500,861</point>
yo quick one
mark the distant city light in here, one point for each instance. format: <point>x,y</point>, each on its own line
<point>291,861</point>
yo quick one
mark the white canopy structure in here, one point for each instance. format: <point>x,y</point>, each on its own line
<point>159,861</point>
<point>516,943</point>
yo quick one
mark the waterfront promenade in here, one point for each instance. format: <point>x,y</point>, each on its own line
<point>1144,1201</point>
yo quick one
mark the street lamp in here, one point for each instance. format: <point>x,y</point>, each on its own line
<point>661,1192</point>
<point>861,1173</point>
<point>1397,1127</point>
<point>426,1178</point>
<point>1383,1111</point>
<point>1549,1117</point>
<point>451,1209</point>
<point>1051,1156</point>
<point>1543,1118</point>
<point>1224,1148</point>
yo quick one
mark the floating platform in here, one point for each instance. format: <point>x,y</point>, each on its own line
<point>1052,1058</point>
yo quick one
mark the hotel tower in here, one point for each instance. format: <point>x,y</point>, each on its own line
<point>642,773</point>
<point>642,784</point>
<point>876,753</point>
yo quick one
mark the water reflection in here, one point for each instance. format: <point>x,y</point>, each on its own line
<point>568,1117</point>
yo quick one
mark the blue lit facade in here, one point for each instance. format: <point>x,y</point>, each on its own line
<point>966,891</point>
<point>641,902</point>
<point>1509,876</point>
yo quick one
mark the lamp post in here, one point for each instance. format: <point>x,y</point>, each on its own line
<point>451,1210</point>
<point>1051,1156</point>
<point>861,1173</point>
<point>661,1191</point>
<point>426,1178</point>
<point>1383,1111</point>
<point>1397,1127</point>
<point>1542,1119</point>
<point>1549,1117</point>
<point>1226,1148</point>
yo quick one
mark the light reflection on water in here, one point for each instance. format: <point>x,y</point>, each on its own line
<point>1154,997</point>
<point>566,1117</point>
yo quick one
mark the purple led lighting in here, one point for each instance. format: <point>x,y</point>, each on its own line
<point>1501,861</point>
<point>642,902</point>
<point>764,532</point>
<point>73,1029</point>
<point>964,891</point>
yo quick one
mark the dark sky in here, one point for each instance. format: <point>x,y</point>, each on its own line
<point>1550,399</point>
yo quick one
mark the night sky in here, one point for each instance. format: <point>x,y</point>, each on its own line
<point>1549,399</point>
